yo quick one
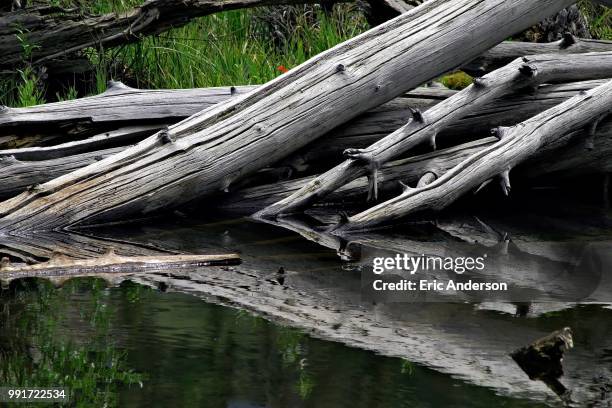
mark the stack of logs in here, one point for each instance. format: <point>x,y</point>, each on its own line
<point>353,124</point>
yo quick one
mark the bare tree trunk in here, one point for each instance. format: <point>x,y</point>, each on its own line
<point>210,151</point>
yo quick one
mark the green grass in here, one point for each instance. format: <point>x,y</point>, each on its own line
<point>231,48</point>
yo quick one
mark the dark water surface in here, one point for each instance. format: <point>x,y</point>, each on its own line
<point>186,352</point>
<point>135,346</point>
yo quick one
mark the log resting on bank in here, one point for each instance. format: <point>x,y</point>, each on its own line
<point>210,151</point>
<point>544,132</point>
<point>54,31</point>
<point>526,72</point>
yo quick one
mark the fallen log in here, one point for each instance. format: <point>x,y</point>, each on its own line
<point>18,175</point>
<point>53,32</point>
<point>507,51</point>
<point>31,166</point>
<point>544,132</point>
<point>118,105</point>
<point>210,151</point>
<point>114,138</point>
<point>568,161</point>
<point>110,263</point>
<point>526,72</point>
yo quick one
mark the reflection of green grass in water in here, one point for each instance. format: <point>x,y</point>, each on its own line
<point>92,368</point>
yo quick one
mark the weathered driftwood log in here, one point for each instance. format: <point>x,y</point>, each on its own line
<point>546,131</point>
<point>507,51</point>
<point>408,170</point>
<point>114,138</point>
<point>210,151</point>
<point>523,73</point>
<point>111,263</point>
<point>119,104</point>
<point>38,165</point>
<point>51,32</point>
<point>17,175</point>
<point>569,161</point>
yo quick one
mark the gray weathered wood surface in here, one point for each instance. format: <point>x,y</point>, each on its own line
<point>211,150</point>
<point>526,72</point>
<point>546,131</point>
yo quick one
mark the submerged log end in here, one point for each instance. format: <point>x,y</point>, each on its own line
<point>542,359</point>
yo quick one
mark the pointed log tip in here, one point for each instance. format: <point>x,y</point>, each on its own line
<point>4,109</point>
<point>373,185</point>
<point>482,186</point>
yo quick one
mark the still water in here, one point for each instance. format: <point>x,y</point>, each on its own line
<point>171,349</point>
<point>134,346</point>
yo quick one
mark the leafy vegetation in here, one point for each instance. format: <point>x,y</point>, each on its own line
<point>231,48</point>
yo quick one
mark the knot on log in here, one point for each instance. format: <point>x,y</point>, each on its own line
<point>499,132</point>
<point>114,86</point>
<point>528,70</point>
<point>340,68</point>
<point>568,40</point>
<point>5,263</point>
<point>8,160</point>
<point>35,188</point>
<point>362,155</point>
<point>479,82</point>
<point>233,90</point>
<point>417,115</point>
<point>165,137</point>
